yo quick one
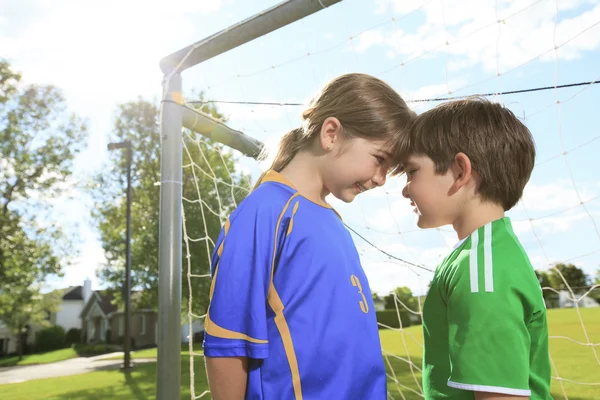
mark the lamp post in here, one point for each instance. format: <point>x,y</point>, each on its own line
<point>127,365</point>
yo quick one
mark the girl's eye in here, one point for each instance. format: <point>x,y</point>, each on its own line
<point>380,160</point>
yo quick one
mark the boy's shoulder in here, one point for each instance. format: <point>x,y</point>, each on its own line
<point>491,252</point>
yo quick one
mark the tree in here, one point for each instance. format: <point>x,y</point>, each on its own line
<point>38,141</point>
<point>138,122</point>
<point>595,293</point>
<point>26,309</point>
<point>575,278</point>
<point>544,280</point>
<point>405,296</point>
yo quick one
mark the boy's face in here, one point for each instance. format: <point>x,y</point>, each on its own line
<point>430,193</point>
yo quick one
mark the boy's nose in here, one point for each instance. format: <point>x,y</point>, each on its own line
<point>405,191</point>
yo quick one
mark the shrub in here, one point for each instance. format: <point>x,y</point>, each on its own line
<point>49,339</point>
<point>73,336</point>
<point>390,318</point>
<point>88,350</point>
<point>199,337</point>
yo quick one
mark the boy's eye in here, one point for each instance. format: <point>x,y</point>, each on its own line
<point>410,172</point>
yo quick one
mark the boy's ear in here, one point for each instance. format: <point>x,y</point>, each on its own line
<point>461,170</point>
<point>330,133</point>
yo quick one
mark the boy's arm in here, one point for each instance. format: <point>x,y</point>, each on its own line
<point>496,396</point>
<point>227,377</point>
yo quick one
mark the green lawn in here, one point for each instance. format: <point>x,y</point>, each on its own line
<point>574,362</point>
<point>152,352</point>
<point>44,358</point>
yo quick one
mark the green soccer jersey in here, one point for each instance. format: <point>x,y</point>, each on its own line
<point>484,321</point>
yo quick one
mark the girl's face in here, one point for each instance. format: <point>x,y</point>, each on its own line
<point>355,166</point>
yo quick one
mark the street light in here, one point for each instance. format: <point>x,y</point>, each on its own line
<point>127,365</point>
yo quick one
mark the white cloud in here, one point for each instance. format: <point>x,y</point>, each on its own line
<point>561,223</point>
<point>370,39</point>
<point>475,36</point>
<point>429,91</point>
<point>556,196</point>
<point>99,53</point>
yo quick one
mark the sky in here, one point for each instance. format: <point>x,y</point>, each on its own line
<point>102,54</point>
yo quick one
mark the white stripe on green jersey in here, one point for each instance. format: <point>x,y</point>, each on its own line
<point>484,321</point>
<point>488,263</point>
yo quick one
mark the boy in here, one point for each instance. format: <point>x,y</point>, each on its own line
<point>484,320</point>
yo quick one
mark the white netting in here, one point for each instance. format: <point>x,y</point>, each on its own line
<point>427,50</point>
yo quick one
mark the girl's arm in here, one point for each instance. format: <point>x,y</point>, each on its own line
<point>227,377</point>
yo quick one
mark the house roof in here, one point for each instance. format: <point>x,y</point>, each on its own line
<point>104,301</point>
<point>73,293</point>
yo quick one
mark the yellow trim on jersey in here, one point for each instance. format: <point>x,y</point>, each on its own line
<point>274,176</point>
<point>219,252</point>
<point>286,337</point>
<point>209,325</point>
<point>292,219</point>
<point>277,306</point>
<point>218,331</point>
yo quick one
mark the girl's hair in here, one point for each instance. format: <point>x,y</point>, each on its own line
<point>366,107</point>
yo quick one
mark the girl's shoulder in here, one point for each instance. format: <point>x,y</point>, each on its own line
<point>266,201</point>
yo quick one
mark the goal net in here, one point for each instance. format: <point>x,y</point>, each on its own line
<point>536,57</point>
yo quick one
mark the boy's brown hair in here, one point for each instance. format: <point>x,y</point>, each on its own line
<point>499,146</point>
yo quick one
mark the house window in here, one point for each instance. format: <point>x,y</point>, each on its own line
<point>143,328</point>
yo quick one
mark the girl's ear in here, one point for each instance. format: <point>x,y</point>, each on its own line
<point>330,133</point>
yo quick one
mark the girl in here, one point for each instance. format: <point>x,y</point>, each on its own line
<point>291,314</point>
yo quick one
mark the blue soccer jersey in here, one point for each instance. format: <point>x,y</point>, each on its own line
<point>289,293</point>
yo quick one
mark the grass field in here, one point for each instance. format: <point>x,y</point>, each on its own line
<point>44,358</point>
<point>573,361</point>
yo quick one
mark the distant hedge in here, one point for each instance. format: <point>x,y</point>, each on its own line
<point>390,318</point>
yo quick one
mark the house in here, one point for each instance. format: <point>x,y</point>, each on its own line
<point>73,300</point>
<point>104,322</point>
<point>378,303</point>
<point>565,300</point>
<point>8,342</point>
<point>67,316</point>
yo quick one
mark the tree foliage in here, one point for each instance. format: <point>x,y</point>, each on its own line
<point>138,122</point>
<point>574,277</point>
<point>405,296</point>
<point>39,140</point>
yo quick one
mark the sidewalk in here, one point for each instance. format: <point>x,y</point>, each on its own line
<point>74,366</point>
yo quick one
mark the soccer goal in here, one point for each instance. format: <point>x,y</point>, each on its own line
<point>533,56</point>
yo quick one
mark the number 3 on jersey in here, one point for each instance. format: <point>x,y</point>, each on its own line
<point>364,306</point>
